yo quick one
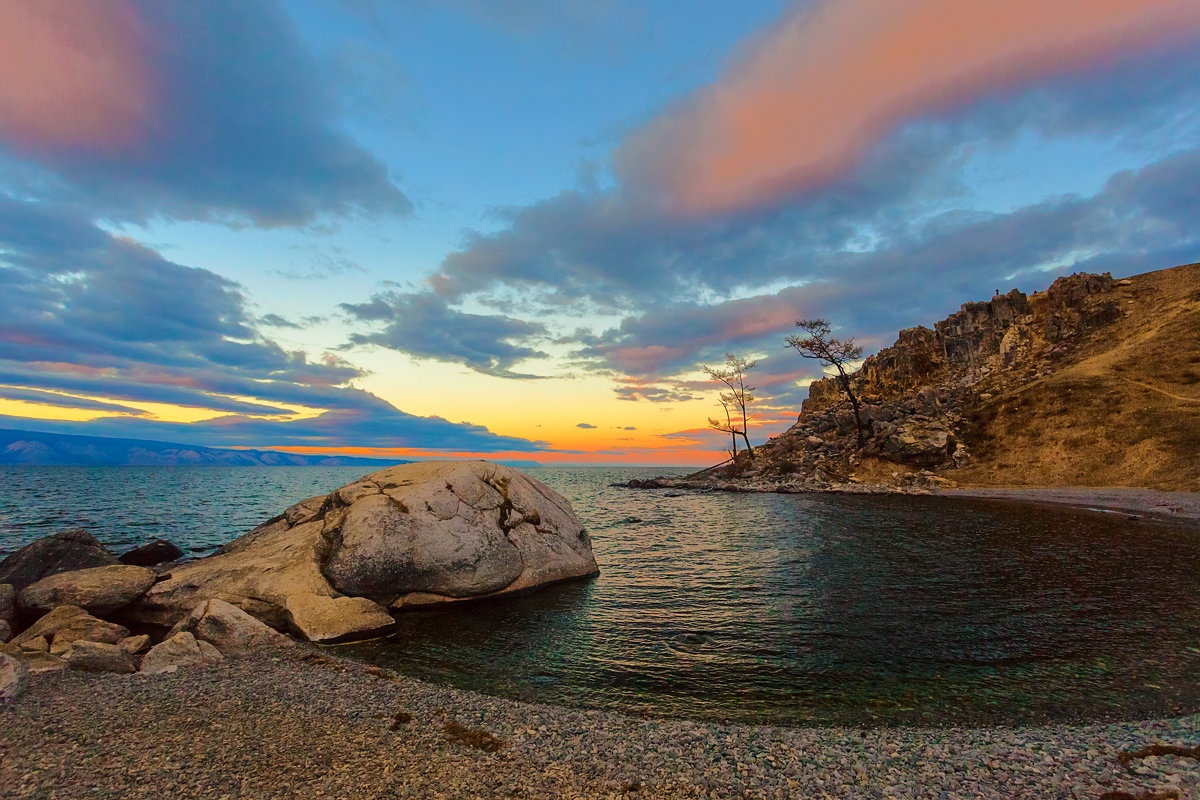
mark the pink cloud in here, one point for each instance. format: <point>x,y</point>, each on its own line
<point>72,75</point>
<point>811,96</point>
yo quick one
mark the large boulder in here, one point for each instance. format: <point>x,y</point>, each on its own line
<point>329,620</point>
<point>151,554</point>
<point>99,590</point>
<point>229,629</point>
<point>408,535</point>
<point>71,624</point>
<point>181,650</point>
<point>62,552</point>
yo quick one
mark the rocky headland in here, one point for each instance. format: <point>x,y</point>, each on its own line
<point>1094,382</point>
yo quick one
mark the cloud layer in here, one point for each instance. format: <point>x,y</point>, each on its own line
<point>813,95</point>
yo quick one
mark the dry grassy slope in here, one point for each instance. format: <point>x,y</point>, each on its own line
<point>1122,410</point>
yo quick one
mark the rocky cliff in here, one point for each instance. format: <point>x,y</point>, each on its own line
<point>1094,381</point>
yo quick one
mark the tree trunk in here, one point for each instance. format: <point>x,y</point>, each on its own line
<point>858,425</point>
<point>749,449</point>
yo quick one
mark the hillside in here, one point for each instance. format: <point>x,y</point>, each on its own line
<point>1093,382</point>
<point>33,448</point>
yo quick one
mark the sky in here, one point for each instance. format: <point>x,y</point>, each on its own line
<point>518,229</point>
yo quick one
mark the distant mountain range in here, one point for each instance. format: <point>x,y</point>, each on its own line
<point>30,447</point>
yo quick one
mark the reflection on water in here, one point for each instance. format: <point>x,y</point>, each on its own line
<point>798,609</point>
<point>803,609</point>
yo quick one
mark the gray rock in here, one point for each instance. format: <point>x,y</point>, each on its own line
<point>181,650</point>
<point>62,552</point>
<point>6,631</point>
<point>330,620</point>
<point>151,554</point>
<point>99,590</point>
<point>8,603</point>
<point>135,645</point>
<point>98,657</point>
<point>13,674</point>
<point>441,530</point>
<point>70,624</point>
<point>228,628</point>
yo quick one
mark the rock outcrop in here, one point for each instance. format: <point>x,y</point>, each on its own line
<point>229,629</point>
<point>414,534</point>
<point>1091,382</point>
<point>329,620</point>
<point>98,590</point>
<point>70,624</point>
<point>62,552</point>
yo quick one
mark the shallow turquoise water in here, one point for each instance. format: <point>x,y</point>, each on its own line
<point>794,609</point>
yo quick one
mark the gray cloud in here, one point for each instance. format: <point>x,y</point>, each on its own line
<point>63,401</point>
<point>586,426</point>
<point>244,129</point>
<point>425,326</point>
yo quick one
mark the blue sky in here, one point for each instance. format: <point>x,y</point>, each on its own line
<point>520,227</point>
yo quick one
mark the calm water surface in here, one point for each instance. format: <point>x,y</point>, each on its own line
<point>792,609</point>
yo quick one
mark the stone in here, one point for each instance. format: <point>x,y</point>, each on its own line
<point>228,628</point>
<point>99,590</point>
<point>98,657</point>
<point>8,604</point>
<point>6,631</point>
<point>38,644</point>
<point>926,444</point>
<point>458,530</point>
<point>63,552</point>
<point>181,650</point>
<point>329,620</point>
<point>42,662</point>
<point>135,645</point>
<point>13,675</point>
<point>70,624</point>
<point>156,552</point>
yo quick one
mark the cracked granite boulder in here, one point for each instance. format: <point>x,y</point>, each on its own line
<point>408,536</point>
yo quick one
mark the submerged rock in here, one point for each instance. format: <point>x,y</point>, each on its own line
<point>434,531</point>
<point>62,552</point>
<point>99,590</point>
<point>156,552</point>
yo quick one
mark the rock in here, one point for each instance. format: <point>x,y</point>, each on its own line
<point>13,674</point>
<point>8,603</point>
<point>181,650</point>
<point>38,661</point>
<point>6,631</point>
<point>135,645</point>
<point>63,552</point>
<point>38,644</point>
<point>457,530</point>
<point>71,624</point>
<point>228,628</point>
<point>148,555</point>
<point>330,620</point>
<point>920,443</point>
<point>99,590</point>
<point>99,657</point>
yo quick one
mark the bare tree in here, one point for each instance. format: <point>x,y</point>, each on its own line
<point>733,375</point>
<point>727,426</point>
<point>830,352</point>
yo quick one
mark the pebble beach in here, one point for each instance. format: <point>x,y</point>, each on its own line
<point>309,724</point>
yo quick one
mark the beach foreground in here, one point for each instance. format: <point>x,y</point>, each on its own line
<point>308,724</point>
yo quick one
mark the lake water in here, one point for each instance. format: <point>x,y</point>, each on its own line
<point>787,609</point>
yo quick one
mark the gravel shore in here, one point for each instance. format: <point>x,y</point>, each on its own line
<point>1175,506</point>
<point>311,725</point>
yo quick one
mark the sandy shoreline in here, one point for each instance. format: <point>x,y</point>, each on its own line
<point>1175,506</point>
<point>262,727</point>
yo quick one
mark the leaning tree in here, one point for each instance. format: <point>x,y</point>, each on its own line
<point>734,401</point>
<point>830,352</point>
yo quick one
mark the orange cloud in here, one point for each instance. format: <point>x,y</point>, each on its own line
<point>72,74</point>
<point>810,97</point>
